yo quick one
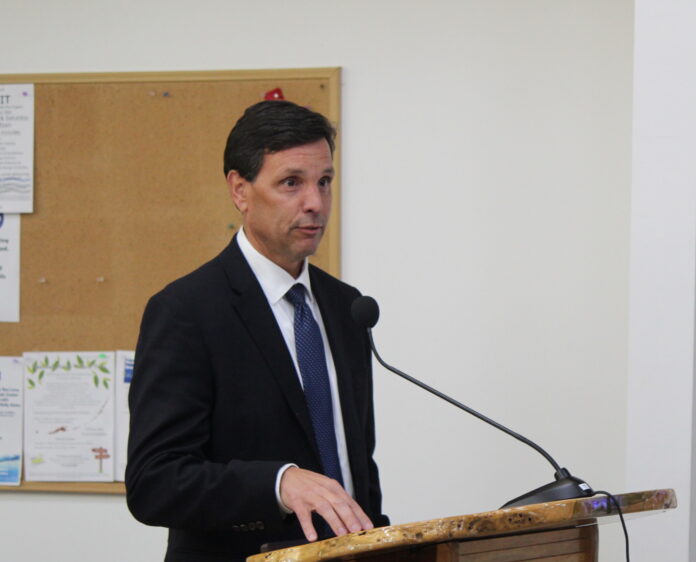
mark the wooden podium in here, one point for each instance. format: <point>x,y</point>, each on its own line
<point>561,531</point>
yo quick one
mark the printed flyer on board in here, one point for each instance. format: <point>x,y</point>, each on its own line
<point>69,416</point>
<point>16,148</point>
<point>124,374</point>
<point>11,371</point>
<point>9,267</point>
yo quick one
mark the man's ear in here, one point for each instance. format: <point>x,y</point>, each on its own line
<point>239,190</point>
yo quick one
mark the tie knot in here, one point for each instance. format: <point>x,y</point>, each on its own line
<point>296,295</point>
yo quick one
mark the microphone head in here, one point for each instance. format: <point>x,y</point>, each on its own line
<point>365,311</point>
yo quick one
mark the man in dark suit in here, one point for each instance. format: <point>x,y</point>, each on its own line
<point>251,401</point>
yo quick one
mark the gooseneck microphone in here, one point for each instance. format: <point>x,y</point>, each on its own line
<point>365,312</point>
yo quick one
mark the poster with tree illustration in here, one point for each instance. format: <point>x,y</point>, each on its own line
<point>69,416</point>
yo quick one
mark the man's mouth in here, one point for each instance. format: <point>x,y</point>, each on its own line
<point>310,228</point>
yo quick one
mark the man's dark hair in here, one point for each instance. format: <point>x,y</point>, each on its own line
<point>271,126</point>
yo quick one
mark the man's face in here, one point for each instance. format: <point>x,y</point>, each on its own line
<point>286,208</point>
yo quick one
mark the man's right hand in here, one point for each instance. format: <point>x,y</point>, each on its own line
<point>304,492</point>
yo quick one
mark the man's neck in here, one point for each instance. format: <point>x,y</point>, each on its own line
<point>252,244</point>
<point>293,269</point>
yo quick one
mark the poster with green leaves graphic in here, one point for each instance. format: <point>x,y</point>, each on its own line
<point>69,416</point>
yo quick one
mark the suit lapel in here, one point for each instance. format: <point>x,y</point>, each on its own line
<point>256,315</point>
<point>333,319</point>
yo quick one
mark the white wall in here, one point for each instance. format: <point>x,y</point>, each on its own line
<point>486,205</point>
<point>663,248</point>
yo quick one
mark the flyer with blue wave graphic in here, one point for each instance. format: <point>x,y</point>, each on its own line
<point>16,148</point>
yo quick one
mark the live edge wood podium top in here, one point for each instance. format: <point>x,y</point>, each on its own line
<point>502,522</point>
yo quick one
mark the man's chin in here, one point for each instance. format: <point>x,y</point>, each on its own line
<point>308,248</point>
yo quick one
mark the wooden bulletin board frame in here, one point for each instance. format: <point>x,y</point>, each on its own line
<point>129,194</point>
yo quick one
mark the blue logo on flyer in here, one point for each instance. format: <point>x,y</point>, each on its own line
<point>128,375</point>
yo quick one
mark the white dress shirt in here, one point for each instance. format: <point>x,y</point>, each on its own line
<point>275,282</point>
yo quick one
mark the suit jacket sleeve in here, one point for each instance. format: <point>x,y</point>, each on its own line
<point>170,480</point>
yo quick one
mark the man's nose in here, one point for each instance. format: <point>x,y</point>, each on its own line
<point>313,199</point>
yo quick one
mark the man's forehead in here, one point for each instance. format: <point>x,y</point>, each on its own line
<point>301,159</point>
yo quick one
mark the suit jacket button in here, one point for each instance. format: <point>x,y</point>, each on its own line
<point>252,526</point>
<point>243,527</point>
<point>235,528</point>
<point>259,525</point>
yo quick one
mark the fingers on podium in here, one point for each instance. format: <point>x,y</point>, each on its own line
<point>305,492</point>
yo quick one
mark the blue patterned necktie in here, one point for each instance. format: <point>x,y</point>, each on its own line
<point>315,379</point>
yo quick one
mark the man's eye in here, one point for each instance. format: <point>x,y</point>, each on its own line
<point>290,182</point>
<point>325,182</point>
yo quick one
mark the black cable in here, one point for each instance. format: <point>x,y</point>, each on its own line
<point>560,472</point>
<point>623,523</point>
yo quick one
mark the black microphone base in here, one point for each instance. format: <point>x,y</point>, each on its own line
<point>566,488</point>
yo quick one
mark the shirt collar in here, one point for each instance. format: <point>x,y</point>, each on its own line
<point>274,280</point>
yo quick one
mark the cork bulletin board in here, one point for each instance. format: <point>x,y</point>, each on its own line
<point>130,194</point>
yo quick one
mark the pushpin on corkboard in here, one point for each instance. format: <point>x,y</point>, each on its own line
<point>275,94</point>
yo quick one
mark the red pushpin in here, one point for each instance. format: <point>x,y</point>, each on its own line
<point>275,94</point>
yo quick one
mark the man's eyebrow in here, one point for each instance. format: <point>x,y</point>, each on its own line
<point>300,171</point>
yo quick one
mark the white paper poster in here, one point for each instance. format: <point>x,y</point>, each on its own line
<point>16,148</point>
<point>9,267</point>
<point>69,416</point>
<point>11,371</point>
<point>124,373</point>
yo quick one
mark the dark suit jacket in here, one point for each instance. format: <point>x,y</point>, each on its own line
<point>217,409</point>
